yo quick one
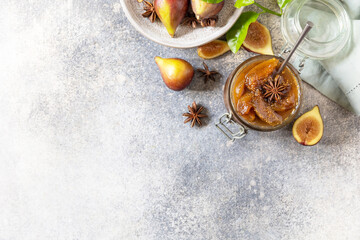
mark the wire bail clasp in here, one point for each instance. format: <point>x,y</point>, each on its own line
<point>226,119</point>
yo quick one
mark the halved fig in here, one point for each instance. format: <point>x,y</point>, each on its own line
<point>309,128</point>
<point>213,49</point>
<point>258,39</point>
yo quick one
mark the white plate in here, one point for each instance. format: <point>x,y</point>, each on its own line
<point>185,36</point>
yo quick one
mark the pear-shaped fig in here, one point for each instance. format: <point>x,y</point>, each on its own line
<point>213,49</point>
<point>176,73</point>
<point>204,10</point>
<point>171,13</point>
<point>258,39</point>
<point>309,128</point>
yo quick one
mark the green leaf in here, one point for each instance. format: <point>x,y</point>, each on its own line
<point>213,1</point>
<point>243,3</point>
<point>237,34</point>
<point>282,3</point>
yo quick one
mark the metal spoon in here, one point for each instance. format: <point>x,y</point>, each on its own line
<point>308,27</point>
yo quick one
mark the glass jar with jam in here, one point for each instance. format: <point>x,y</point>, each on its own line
<point>256,101</point>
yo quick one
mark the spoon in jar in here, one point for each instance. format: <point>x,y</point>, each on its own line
<point>309,25</point>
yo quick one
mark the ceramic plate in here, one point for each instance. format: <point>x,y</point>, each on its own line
<point>185,36</point>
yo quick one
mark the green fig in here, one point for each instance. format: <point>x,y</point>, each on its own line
<point>204,10</point>
<point>171,13</point>
<point>176,73</point>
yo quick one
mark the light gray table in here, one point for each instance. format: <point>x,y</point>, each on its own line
<point>93,145</point>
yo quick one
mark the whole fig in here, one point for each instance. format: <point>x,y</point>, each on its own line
<point>176,73</point>
<point>171,13</point>
<point>205,10</point>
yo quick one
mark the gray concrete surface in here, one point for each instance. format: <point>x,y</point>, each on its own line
<point>93,145</point>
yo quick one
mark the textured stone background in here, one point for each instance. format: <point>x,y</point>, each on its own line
<point>93,145</point>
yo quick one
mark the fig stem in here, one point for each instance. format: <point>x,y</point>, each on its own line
<point>267,10</point>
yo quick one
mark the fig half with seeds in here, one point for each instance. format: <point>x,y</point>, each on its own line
<point>258,39</point>
<point>309,128</point>
<point>213,49</point>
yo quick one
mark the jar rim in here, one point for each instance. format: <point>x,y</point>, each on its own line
<point>334,45</point>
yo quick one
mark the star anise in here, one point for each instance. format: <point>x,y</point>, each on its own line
<point>207,74</point>
<point>274,89</point>
<point>190,21</point>
<point>209,22</point>
<point>194,115</point>
<point>149,11</point>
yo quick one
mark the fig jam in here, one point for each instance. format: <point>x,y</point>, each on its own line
<point>252,94</point>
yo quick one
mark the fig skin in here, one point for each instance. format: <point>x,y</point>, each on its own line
<point>176,73</point>
<point>213,49</point>
<point>258,39</point>
<point>309,128</point>
<point>171,13</point>
<point>205,10</point>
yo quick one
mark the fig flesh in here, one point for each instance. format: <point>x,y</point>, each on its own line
<point>286,103</point>
<point>309,128</point>
<point>258,39</point>
<point>265,112</point>
<point>257,76</point>
<point>176,73</point>
<point>244,104</point>
<point>213,49</point>
<point>205,10</point>
<point>171,13</point>
<point>245,108</point>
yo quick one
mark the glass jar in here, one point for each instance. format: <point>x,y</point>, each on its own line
<point>235,119</point>
<point>331,33</point>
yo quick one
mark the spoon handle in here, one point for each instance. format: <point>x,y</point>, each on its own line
<point>305,31</point>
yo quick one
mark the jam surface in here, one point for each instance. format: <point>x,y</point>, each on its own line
<point>261,101</point>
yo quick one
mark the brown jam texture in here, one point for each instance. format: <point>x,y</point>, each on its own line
<point>251,101</point>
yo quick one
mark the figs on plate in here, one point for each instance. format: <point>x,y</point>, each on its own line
<point>171,13</point>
